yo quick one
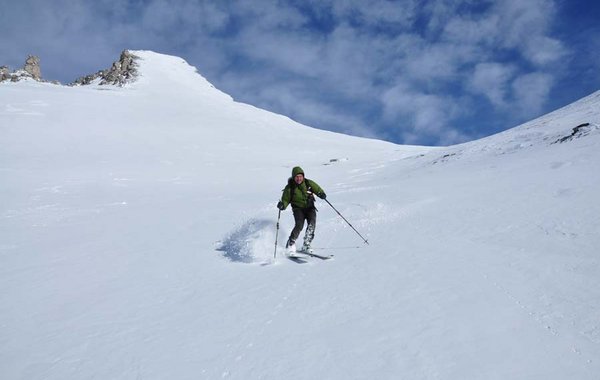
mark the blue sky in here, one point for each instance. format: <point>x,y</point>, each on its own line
<point>411,72</point>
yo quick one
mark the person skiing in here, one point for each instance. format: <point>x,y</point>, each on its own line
<point>300,192</point>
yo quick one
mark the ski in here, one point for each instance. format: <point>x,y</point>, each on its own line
<point>318,256</point>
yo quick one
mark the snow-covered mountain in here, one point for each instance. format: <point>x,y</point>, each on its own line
<point>137,230</point>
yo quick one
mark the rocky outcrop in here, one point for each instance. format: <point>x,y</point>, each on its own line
<point>122,71</point>
<point>4,73</point>
<point>32,67</point>
<point>579,131</point>
<point>31,70</point>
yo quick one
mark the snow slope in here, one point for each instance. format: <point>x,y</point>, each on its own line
<point>137,229</point>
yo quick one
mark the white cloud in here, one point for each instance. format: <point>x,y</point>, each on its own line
<point>492,80</point>
<point>376,12</point>
<point>268,16</point>
<point>531,92</point>
<point>472,31</point>
<point>543,50</point>
<point>291,99</point>
<point>400,13</point>
<point>508,24</point>
<point>295,53</point>
<point>418,113</point>
<point>525,25</point>
<point>439,12</point>
<point>437,61</point>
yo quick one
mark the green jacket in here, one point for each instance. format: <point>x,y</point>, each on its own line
<point>298,195</point>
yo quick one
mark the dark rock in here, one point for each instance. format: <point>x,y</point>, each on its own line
<point>4,72</point>
<point>31,70</point>
<point>32,67</point>
<point>445,157</point>
<point>122,71</point>
<point>579,131</point>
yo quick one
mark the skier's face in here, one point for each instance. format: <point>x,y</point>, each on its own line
<point>299,178</point>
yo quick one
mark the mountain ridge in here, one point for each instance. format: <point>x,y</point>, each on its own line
<point>167,73</point>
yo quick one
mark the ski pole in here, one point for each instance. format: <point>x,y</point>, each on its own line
<point>277,235</point>
<point>365,240</point>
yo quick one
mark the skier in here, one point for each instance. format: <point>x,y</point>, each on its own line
<point>300,192</point>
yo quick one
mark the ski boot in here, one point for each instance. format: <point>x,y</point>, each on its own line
<point>306,249</point>
<point>290,246</point>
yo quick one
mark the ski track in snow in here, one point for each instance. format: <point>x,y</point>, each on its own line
<point>240,349</point>
<point>544,319</point>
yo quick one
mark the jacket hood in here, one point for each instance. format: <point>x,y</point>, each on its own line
<point>297,170</point>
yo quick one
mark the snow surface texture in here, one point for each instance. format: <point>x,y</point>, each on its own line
<point>137,230</point>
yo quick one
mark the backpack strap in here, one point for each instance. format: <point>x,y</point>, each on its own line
<point>308,186</point>
<point>292,186</point>
<point>311,196</point>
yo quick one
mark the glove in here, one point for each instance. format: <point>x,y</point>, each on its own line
<point>280,205</point>
<point>322,196</point>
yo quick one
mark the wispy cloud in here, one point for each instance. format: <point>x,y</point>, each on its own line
<point>530,92</point>
<point>492,80</point>
<point>426,115</point>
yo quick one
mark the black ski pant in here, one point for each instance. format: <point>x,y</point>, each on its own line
<point>300,215</point>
